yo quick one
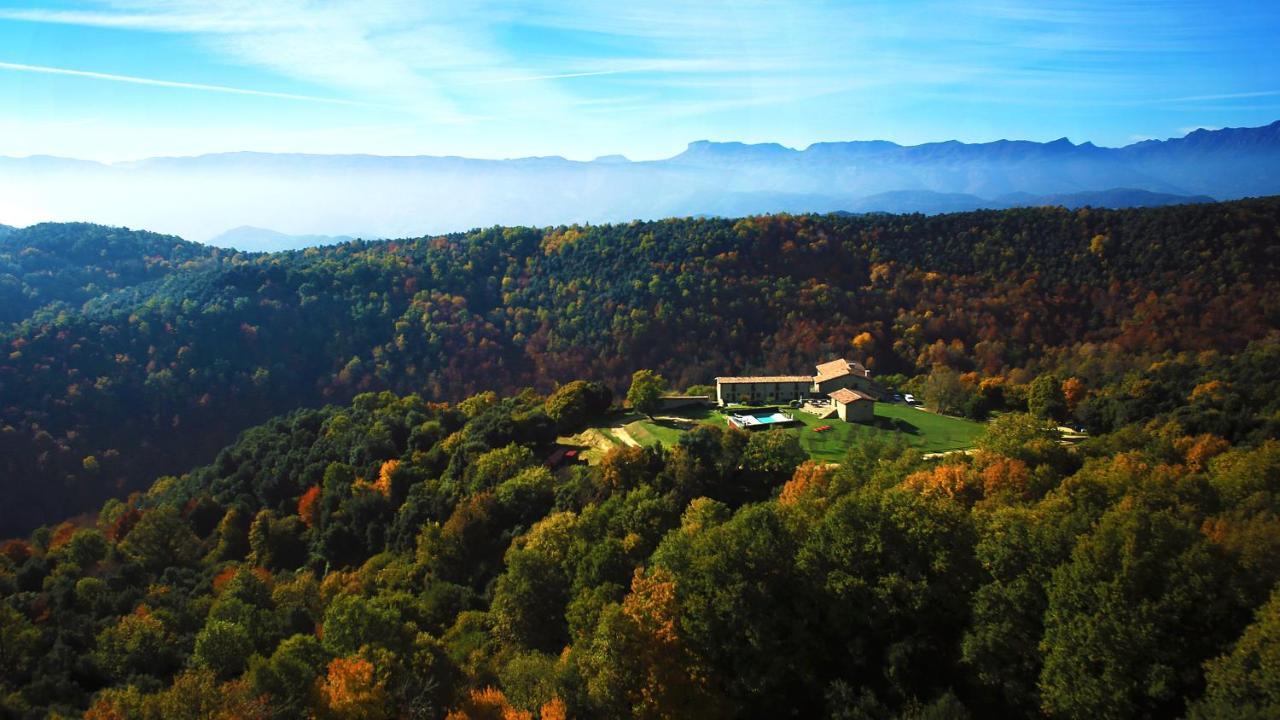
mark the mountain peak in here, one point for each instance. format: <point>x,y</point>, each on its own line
<point>709,149</point>
<point>1249,140</point>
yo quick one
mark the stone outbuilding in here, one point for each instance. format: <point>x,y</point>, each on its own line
<point>854,405</point>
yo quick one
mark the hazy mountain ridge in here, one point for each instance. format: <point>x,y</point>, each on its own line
<point>1114,198</point>
<point>254,239</point>
<point>303,194</point>
<point>906,201</point>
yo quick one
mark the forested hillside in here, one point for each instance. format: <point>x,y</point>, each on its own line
<point>155,376</point>
<point>403,558</point>
<point>52,263</point>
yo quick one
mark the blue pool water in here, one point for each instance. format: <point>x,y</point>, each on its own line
<point>756,419</point>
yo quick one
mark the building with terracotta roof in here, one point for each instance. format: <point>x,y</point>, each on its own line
<point>839,374</point>
<point>759,389</point>
<point>853,405</point>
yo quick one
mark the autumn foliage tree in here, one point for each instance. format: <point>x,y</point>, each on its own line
<point>638,662</point>
<point>308,507</point>
<point>351,689</point>
<point>488,703</point>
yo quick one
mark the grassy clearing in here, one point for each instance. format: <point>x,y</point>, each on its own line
<point>927,431</point>
<point>933,432</point>
<point>593,443</point>
<point>651,432</point>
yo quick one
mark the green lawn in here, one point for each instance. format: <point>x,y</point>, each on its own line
<point>927,431</point>
<point>650,432</point>
<point>933,432</point>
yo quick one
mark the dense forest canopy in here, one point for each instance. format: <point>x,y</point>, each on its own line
<point>403,558</point>
<point>406,542</point>
<point>55,266</point>
<point>147,353</point>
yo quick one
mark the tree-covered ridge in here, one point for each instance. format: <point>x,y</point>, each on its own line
<point>142,381</point>
<point>401,558</point>
<point>71,263</point>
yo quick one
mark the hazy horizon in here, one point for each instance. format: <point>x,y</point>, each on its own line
<point>201,198</point>
<point>421,117</point>
<point>624,156</point>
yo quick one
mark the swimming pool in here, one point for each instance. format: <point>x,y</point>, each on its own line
<point>749,421</point>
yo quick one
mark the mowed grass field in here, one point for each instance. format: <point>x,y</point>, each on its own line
<point>930,432</point>
<point>927,431</point>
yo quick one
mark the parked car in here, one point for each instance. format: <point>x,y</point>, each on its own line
<point>911,399</point>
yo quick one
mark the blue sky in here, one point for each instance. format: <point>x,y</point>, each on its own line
<point>581,79</point>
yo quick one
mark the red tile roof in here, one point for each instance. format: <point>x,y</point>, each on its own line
<point>765,379</point>
<point>847,396</point>
<point>838,368</point>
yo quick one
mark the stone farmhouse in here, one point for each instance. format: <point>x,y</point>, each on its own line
<point>850,380</point>
<point>854,405</point>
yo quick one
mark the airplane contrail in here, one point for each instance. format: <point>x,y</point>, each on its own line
<point>561,76</point>
<point>18,67</point>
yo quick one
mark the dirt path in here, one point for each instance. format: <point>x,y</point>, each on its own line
<point>595,439</point>
<point>931,456</point>
<point>622,434</point>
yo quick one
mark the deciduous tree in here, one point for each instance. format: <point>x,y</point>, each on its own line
<point>646,391</point>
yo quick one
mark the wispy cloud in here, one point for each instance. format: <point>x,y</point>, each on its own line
<point>1226,96</point>
<point>193,21</point>
<point>559,76</point>
<point>44,70</point>
<point>443,61</point>
<point>483,69</point>
<point>1211,101</point>
<point>357,50</point>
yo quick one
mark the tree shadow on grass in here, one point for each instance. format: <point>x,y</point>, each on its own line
<point>896,425</point>
<point>695,413</point>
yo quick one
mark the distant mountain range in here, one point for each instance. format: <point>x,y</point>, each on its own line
<point>329,197</point>
<point>255,239</point>
<point>924,201</point>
